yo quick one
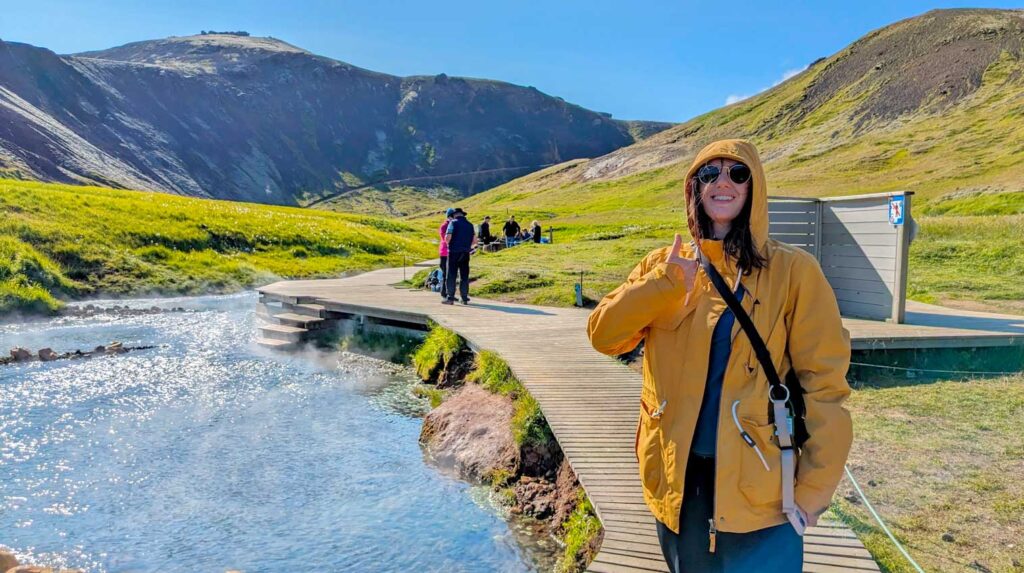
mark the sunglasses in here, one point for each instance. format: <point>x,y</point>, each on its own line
<point>738,172</point>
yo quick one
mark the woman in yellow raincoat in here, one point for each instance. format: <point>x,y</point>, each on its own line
<point>718,500</point>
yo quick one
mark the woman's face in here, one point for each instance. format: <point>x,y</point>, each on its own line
<point>723,199</point>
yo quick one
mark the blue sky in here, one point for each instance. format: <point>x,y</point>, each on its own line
<point>637,60</point>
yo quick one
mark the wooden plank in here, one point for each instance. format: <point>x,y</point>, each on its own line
<point>855,216</point>
<point>794,238</point>
<point>872,240</point>
<point>858,274</point>
<point>858,228</point>
<point>804,217</point>
<point>863,297</point>
<point>860,285</point>
<point>853,251</point>
<point>858,261</point>
<point>872,201</point>
<point>864,310</point>
<point>792,228</point>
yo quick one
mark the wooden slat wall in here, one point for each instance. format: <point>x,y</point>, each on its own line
<point>854,242</point>
<point>794,221</point>
<point>858,255</point>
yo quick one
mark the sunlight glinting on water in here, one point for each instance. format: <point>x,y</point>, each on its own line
<point>207,453</point>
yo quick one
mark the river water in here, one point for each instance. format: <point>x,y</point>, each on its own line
<point>207,453</point>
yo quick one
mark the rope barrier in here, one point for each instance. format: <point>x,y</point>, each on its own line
<point>878,519</point>
<point>980,372</point>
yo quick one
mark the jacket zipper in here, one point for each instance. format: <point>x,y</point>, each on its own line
<point>712,529</point>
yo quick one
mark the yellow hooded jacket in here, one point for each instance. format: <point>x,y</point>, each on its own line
<point>795,311</point>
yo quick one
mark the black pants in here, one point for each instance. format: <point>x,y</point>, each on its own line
<point>776,549</point>
<point>457,263</point>
<point>444,275</point>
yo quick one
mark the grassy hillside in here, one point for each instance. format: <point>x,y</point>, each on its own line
<point>971,252</point>
<point>933,105</point>
<point>59,241</point>
<point>391,200</point>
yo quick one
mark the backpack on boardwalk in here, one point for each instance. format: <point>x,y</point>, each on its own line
<point>434,280</point>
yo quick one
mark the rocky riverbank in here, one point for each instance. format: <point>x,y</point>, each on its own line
<point>487,429</point>
<point>20,354</point>
<point>9,564</point>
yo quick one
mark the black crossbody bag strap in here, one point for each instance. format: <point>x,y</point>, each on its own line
<point>795,391</point>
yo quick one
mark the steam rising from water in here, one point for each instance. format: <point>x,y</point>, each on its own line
<point>207,454</point>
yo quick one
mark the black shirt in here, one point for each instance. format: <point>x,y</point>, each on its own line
<point>511,228</point>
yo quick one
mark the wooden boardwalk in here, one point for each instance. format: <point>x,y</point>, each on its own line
<point>591,400</point>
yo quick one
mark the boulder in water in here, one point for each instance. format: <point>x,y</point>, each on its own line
<point>47,354</point>
<point>116,348</point>
<point>7,560</point>
<point>20,354</point>
<point>472,433</point>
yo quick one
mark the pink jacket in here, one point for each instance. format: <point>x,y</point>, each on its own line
<point>442,249</point>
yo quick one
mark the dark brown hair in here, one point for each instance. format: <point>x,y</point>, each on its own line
<point>739,242</point>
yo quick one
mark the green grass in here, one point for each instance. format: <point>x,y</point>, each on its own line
<point>66,241</point>
<point>940,458</point>
<point>977,204</point>
<point>604,230</point>
<point>578,530</point>
<point>416,280</point>
<point>976,258</point>
<point>435,396</point>
<point>528,424</point>
<point>494,375</point>
<point>529,427</point>
<point>394,201</point>
<point>437,349</point>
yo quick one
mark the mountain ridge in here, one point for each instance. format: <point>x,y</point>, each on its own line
<point>258,119</point>
<point>939,96</point>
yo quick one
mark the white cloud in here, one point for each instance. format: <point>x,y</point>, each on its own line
<point>733,98</point>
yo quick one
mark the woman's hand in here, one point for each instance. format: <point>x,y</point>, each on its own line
<point>809,520</point>
<point>689,266</point>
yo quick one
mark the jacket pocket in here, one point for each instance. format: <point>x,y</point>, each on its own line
<point>648,448</point>
<point>761,487</point>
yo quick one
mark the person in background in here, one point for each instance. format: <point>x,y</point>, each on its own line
<point>461,239</point>
<point>511,231</point>
<point>485,231</point>
<point>535,231</point>
<point>442,249</point>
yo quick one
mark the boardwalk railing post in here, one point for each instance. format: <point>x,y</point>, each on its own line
<point>579,291</point>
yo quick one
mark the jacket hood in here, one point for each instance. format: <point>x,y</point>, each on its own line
<point>743,151</point>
